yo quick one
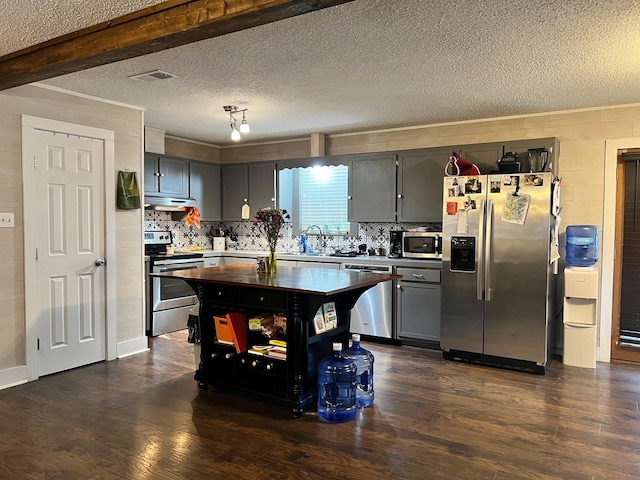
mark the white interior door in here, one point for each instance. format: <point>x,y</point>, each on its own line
<point>69,182</point>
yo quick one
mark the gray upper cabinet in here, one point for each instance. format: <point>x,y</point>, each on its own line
<point>262,186</point>
<point>234,187</point>
<point>521,147</point>
<point>420,183</point>
<point>253,184</point>
<point>372,187</point>
<point>204,186</point>
<point>167,176</point>
<point>484,155</point>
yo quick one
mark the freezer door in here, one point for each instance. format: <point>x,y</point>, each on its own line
<point>461,319</point>
<point>517,286</point>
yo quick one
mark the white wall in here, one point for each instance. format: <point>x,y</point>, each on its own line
<point>127,124</point>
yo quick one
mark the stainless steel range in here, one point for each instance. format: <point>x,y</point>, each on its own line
<point>168,301</point>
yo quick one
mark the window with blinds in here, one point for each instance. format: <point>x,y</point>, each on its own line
<point>316,196</point>
<point>323,198</point>
<point>630,285</point>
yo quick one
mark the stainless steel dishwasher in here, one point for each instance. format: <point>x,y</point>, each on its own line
<point>373,312</point>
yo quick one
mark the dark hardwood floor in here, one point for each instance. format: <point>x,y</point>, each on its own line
<point>143,417</point>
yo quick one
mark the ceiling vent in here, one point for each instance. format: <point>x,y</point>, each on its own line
<point>153,76</point>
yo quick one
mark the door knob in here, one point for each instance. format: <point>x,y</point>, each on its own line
<point>100,262</point>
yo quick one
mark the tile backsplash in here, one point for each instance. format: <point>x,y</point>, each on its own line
<point>373,235</point>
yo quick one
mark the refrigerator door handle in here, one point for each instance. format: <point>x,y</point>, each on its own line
<point>479,253</point>
<point>487,250</point>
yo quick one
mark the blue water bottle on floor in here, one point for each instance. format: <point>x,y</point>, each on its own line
<point>337,387</point>
<point>364,371</point>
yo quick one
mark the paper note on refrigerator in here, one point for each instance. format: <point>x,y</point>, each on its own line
<point>463,223</point>
<point>515,208</point>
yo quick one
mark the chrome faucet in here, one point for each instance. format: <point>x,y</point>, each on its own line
<point>319,248</point>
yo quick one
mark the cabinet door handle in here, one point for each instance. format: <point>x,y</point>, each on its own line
<point>418,275</point>
<point>349,197</point>
<point>262,299</point>
<point>162,174</point>
<point>399,195</point>
<point>399,287</point>
<point>219,294</point>
<point>157,174</point>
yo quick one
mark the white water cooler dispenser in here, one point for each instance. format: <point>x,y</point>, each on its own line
<point>580,316</point>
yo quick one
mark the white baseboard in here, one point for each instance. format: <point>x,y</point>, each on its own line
<point>13,376</point>
<point>132,347</point>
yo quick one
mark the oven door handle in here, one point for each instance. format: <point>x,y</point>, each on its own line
<point>179,266</point>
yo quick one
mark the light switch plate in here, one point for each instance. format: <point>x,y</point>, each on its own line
<point>7,220</point>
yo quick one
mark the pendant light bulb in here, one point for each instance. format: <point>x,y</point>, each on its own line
<point>235,134</point>
<point>244,126</point>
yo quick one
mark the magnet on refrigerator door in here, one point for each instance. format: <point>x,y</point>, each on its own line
<point>453,188</point>
<point>473,185</point>
<point>515,208</point>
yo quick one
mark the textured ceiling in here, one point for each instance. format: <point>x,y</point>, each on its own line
<point>365,65</point>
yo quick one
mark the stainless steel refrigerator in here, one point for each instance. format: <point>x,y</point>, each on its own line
<point>498,281</point>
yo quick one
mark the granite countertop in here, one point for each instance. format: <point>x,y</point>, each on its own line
<point>290,279</point>
<point>301,257</point>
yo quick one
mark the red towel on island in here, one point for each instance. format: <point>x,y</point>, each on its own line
<point>193,217</point>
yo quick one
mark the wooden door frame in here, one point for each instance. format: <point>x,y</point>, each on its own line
<point>613,149</point>
<point>618,352</point>
<point>29,123</point>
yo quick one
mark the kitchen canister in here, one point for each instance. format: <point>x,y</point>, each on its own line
<point>337,387</point>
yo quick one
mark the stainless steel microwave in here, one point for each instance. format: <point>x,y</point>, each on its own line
<point>422,244</point>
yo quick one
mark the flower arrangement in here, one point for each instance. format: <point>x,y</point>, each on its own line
<point>270,220</point>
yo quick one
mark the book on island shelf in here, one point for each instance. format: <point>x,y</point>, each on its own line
<point>231,329</point>
<point>260,349</point>
<point>277,352</point>
<point>330,315</point>
<point>318,322</point>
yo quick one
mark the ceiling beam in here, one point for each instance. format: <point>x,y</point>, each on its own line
<point>166,25</point>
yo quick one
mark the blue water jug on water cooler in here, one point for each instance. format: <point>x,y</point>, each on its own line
<point>582,245</point>
<point>337,387</point>
<point>364,371</point>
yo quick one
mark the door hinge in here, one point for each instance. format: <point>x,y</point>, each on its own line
<point>38,344</point>
<point>35,163</point>
<point>36,254</point>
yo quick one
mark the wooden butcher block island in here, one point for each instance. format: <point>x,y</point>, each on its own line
<point>295,293</point>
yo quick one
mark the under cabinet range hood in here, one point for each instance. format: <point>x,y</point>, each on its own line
<point>168,204</point>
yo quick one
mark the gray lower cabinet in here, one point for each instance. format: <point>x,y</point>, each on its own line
<point>204,186</point>
<point>418,304</point>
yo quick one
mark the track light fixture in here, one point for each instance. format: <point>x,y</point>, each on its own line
<point>233,110</point>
